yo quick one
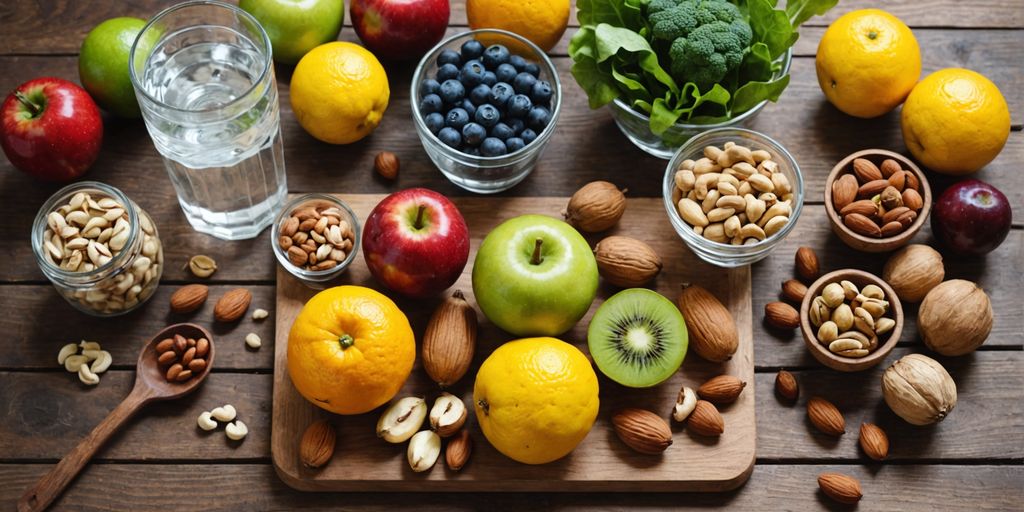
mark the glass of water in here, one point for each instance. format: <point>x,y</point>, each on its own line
<point>204,77</point>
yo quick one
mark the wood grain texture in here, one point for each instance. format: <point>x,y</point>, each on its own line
<point>254,487</point>
<point>601,462</point>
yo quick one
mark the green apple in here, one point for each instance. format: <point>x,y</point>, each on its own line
<point>103,64</point>
<point>297,26</point>
<point>534,276</point>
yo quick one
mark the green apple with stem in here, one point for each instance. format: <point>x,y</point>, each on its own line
<point>297,26</point>
<point>534,276</point>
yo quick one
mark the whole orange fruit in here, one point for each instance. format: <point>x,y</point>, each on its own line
<point>350,350</point>
<point>541,21</point>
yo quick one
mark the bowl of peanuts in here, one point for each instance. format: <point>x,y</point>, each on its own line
<point>733,194</point>
<point>315,238</point>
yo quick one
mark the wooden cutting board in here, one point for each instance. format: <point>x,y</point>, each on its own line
<point>362,462</point>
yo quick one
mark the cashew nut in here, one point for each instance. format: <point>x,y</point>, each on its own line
<point>73,363</point>
<point>236,431</point>
<point>253,340</point>
<point>66,351</point>
<point>223,414</point>
<point>206,422</point>
<point>101,363</point>
<point>89,345</point>
<point>91,354</point>
<point>87,376</point>
<point>260,314</point>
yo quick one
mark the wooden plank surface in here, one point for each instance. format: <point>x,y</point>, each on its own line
<point>601,462</point>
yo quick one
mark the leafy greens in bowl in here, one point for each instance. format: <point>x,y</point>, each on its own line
<point>686,61</point>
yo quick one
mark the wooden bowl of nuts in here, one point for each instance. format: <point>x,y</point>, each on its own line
<point>850,320</point>
<point>877,200</point>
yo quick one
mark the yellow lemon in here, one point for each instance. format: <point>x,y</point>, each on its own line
<point>541,21</point>
<point>536,399</point>
<point>339,92</point>
<point>867,62</point>
<point>955,121</point>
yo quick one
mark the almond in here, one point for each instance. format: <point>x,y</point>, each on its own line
<point>793,290</point>
<point>862,225</point>
<point>450,340</point>
<point>232,305</point>
<point>807,264</point>
<point>894,214</point>
<point>386,164</point>
<point>626,262</point>
<point>865,207</point>
<point>189,298</point>
<point>459,448</point>
<point>317,445</point>
<point>844,191</point>
<point>705,420</point>
<point>866,170</point>
<point>825,416</point>
<point>642,430</point>
<point>723,389</point>
<point>786,385</point>
<point>873,441</point>
<point>781,315</point>
<point>710,325</point>
<point>892,229</point>
<point>840,487</point>
<point>912,182</point>
<point>872,188</point>
<point>898,180</point>
<point>912,199</point>
<point>889,166</point>
<point>907,218</point>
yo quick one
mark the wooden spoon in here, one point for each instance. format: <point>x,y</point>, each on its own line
<point>150,386</point>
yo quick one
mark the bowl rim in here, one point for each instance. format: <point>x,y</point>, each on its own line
<point>844,167</point>
<point>486,161</point>
<point>282,256</point>
<point>843,363</point>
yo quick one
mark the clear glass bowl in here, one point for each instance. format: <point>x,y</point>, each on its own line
<point>636,126</point>
<point>316,279</point>
<point>723,254</point>
<point>481,174</point>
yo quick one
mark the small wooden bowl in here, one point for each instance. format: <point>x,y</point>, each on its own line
<point>865,243</point>
<point>821,352</point>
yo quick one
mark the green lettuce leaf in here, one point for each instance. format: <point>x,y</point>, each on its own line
<point>752,93</point>
<point>800,11</point>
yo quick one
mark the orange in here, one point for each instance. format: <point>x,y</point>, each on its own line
<point>541,21</point>
<point>867,63</point>
<point>955,121</point>
<point>350,350</point>
<point>339,92</point>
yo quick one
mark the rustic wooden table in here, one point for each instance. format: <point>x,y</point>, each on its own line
<point>974,459</point>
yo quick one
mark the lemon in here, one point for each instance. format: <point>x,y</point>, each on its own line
<point>536,399</point>
<point>541,21</point>
<point>955,121</point>
<point>867,62</point>
<point>339,92</point>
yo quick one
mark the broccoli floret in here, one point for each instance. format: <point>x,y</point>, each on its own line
<point>708,37</point>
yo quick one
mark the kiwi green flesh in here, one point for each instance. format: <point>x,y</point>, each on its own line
<point>637,338</point>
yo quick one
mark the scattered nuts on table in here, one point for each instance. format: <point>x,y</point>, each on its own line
<point>459,448</point>
<point>849,320</point>
<point>386,163</point>
<point>236,431</point>
<point>260,314</point>
<point>202,265</point>
<point>424,449</point>
<point>787,386</point>
<point>316,237</point>
<point>685,404</point>
<point>206,422</point>
<point>447,415</point>
<point>595,207</point>
<point>232,305</point>
<point>92,361</point>
<point>781,315</point>
<point>189,298</point>
<point>224,413</point>
<point>733,195</point>
<point>253,340</point>
<point>87,376</point>
<point>806,264</point>
<point>402,419</point>
<point>182,357</point>
<point>317,444</point>
<point>825,416</point>
<point>873,204</point>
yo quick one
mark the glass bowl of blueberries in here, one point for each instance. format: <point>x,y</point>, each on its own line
<point>485,103</point>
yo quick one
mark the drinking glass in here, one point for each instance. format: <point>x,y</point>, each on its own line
<point>204,77</point>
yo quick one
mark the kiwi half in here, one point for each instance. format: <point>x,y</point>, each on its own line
<point>638,338</point>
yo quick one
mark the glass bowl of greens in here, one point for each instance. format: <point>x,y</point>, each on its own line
<point>671,69</point>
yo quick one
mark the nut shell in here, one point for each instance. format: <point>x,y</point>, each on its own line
<point>626,262</point>
<point>595,207</point>
<point>642,430</point>
<point>913,271</point>
<point>450,340</point>
<point>710,325</point>
<point>386,163</point>
<point>955,318</point>
<point>918,389</point>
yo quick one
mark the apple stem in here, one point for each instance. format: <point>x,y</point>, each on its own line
<point>537,259</point>
<point>419,217</point>
<point>33,107</point>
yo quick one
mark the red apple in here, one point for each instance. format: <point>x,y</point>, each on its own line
<point>971,217</point>
<point>416,242</point>
<point>51,129</point>
<point>399,29</point>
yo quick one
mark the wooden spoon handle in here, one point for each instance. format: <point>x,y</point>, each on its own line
<point>51,485</point>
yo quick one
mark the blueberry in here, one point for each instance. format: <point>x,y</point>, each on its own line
<point>474,134</point>
<point>517,125</point>
<point>452,91</point>
<point>468,106</point>
<point>524,82</point>
<point>541,93</point>
<point>480,94</point>
<point>456,118</point>
<point>429,86</point>
<point>528,135</point>
<point>472,49</point>
<point>449,57</point>
<point>514,144</point>
<point>472,73</point>
<point>538,118</point>
<point>447,72</point>
<point>450,136</point>
<point>493,147</point>
<point>487,115</point>
<point>490,78</point>
<point>430,103</point>
<point>434,122</point>
<point>495,55</point>
<point>500,94</point>
<point>533,69</point>
<point>506,73</point>
<point>518,62</point>
<point>502,131</point>
<point>519,106</point>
